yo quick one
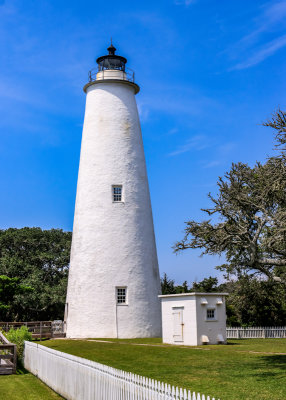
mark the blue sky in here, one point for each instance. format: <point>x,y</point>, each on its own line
<point>210,73</point>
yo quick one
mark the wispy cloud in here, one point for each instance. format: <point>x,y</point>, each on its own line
<point>269,18</point>
<point>18,93</point>
<point>143,111</point>
<point>226,148</point>
<point>276,11</point>
<point>198,142</point>
<point>221,155</point>
<point>175,100</point>
<point>265,52</point>
<point>184,2</point>
<point>173,131</point>
<point>212,164</point>
<point>258,44</point>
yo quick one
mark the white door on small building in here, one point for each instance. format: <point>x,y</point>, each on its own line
<point>178,324</point>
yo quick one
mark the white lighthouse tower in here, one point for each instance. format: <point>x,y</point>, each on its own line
<point>114,281</point>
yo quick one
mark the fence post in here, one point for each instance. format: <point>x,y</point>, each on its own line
<point>40,330</point>
<point>14,359</point>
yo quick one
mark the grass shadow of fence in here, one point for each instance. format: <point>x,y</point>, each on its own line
<point>277,360</point>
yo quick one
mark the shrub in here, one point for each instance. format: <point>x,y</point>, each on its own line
<point>18,336</point>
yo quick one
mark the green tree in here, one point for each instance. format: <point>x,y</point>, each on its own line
<point>9,288</point>
<point>167,285</point>
<point>182,288</point>
<point>38,259</point>
<point>247,220</point>
<point>255,302</point>
<point>207,285</point>
<point>278,122</point>
<point>19,336</point>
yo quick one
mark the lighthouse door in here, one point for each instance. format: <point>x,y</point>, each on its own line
<point>178,324</point>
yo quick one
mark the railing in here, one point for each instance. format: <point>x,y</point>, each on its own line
<point>8,356</point>
<point>256,333</point>
<point>128,74</point>
<point>54,329</point>
<point>77,378</point>
<point>38,329</point>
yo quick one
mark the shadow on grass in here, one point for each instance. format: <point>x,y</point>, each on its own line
<point>21,370</point>
<point>236,342</point>
<point>269,367</point>
<point>233,344</point>
<point>276,361</point>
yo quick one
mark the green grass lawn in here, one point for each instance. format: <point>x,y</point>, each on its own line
<point>242,370</point>
<point>25,386</point>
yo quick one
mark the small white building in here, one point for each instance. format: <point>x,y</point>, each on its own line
<point>193,319</point>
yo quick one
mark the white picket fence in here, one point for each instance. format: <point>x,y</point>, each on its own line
<point>256,333</point>
<point>76,378</point>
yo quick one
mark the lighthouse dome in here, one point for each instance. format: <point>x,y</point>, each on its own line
<point>111,60</point>
<point>111,67</point>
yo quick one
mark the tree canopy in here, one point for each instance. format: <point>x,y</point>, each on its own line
<point>247,220</point>
<point>9,288</point>
<point>255,302</point>
<point>168,286</point>
<point>36,259</point>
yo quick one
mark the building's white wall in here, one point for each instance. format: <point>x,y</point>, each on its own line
<point>113,243</point>
<point>194,319</point>
<point>189,319</point>
<point>211,328</point>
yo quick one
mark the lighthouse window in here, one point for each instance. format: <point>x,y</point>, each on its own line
<point>117,193</point>
<point>121,295</point>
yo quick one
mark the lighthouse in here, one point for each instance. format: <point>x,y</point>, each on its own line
<point>114,281</point>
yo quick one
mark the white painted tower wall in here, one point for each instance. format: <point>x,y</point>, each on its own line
<point>113,244</point>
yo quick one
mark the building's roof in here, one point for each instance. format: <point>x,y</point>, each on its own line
<point>193,294</point>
